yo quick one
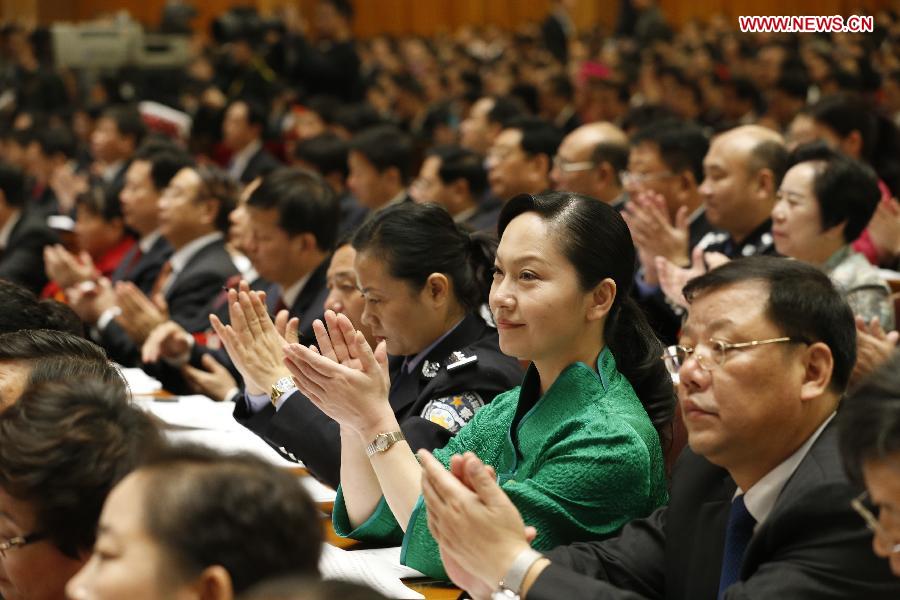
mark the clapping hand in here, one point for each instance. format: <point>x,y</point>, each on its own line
<point>343,377</point>
<point>255,344</point>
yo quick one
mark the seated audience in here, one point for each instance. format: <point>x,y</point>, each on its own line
<point>62,448</point>
<point>445,360</point>
<point>193,217</point>
<point>23,233</point>
<point>29,357</point>
<point>589,161</point>
<point>242,130</point>
<point>116,136</point>
<point>742,171</point>
<point>521,156</point>
<point>665,213</point>
<point>869,424</point>
<point>577,445</point>
<point>455,178</point>
<point>823,204</point>
<point>326,154</point>
<point>190,523</point>
<point>292,220</point>
<point>103,240</point>
<point>760,503</point>
<point>380,165</point>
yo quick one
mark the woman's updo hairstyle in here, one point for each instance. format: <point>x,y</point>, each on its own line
<point>416,240</point>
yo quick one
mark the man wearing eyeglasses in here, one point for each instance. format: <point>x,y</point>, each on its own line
<point>588,162</point>
<point>759,504</point>
<point>869,425</point>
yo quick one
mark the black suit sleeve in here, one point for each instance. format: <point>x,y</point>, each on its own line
<point>119,346</point>
<point>628,567</point>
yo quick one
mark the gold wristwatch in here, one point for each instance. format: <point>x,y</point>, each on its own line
<point>383,441</point>
<point>282,386</point>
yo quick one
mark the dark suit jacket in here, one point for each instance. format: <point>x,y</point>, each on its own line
<point>301,431</point>
<point>812,545</point>
<point>555,39</point>
<point>143,271</point>
<point>260,164</point>
<point>201,280</point>
<point>22,261</point>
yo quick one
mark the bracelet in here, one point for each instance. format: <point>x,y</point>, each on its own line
<point>519,568</point>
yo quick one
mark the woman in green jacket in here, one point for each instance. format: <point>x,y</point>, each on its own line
<point>576,446</point>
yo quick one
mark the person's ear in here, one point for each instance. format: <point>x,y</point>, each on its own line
<point>765,183</point>
<point>818,365</point>
<point>437,289</point>
<point>602,297</point>
<point>852,145</point>
<point>214,583</point>
<point>210,211</point>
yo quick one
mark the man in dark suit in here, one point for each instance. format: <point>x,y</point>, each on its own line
<point>193,214</point>
<point>115,138</point>
<point>293,219</point>
<point>23,233</point>
<point>242,133</point>
<point>760,505</point>
<point>666,215</point>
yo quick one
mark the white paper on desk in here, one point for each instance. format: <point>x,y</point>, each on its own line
<point>139,382</point>
<point>193,412</point>
<point>365,569</point>
<point>392,557</point>
<point>230,442</point>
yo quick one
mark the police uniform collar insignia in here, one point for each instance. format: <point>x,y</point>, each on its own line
<point>458,360</point>
<point>430,369</point>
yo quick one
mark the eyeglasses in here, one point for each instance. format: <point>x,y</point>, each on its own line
<point>674,357</point>
<point>630,178</point>
<point>872,521</point>
<point>19,541</point>
<point>567,166</point>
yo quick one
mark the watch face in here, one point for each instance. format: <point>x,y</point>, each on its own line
<point>381,443</point>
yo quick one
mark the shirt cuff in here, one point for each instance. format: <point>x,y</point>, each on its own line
<point>256,402</point>
<point>106,316</point>
<point>644,289</point>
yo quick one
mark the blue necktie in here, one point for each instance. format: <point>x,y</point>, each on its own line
<point>737,536</point>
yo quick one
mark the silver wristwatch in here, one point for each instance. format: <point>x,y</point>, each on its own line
<point>383,441</point>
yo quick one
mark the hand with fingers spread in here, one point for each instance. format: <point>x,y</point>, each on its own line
<point>253,342</point>
<point>673,278</point>
<point>140,315</point>
<point>479,530</point>
<point>343,377</point>
<point>873,347</point>
<point>168,340</point>
<point>655,234</point>
<point>65,268</point>
<point>213,380</point>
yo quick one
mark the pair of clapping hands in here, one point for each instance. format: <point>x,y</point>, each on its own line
<point>341,375</point>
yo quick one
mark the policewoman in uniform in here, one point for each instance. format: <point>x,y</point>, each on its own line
<point>576,447</point>
<point>424,283</point>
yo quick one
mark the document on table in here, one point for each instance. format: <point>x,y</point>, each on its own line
<point>364,568</point>
<point>139,382</point>
<point>192,412</point>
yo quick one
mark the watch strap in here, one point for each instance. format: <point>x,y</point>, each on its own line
<point>387,440</point>
<point>519,568</point>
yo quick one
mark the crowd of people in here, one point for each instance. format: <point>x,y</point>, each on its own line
<point>586,314</point>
